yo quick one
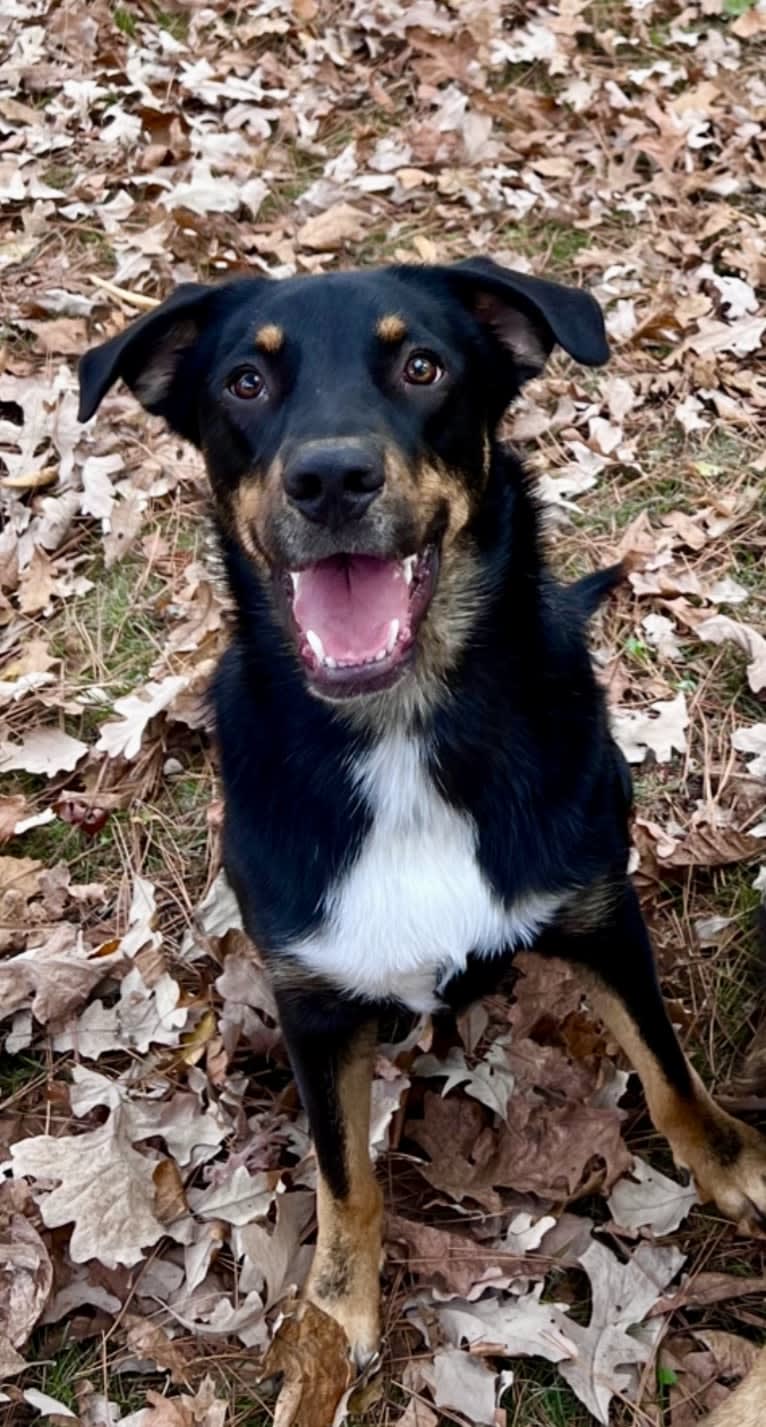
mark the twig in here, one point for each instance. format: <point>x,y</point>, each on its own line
<point>133,299</point>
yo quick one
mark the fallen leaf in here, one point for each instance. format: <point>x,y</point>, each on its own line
<point>661,635</point>
<point>720,629</point>
<point>702,1366</point>
<point>105,1188</point>
<point>511,1326</point>
<point>338,225</point>
<point>11,812</point>
<point>48,1406</point>
<point>37,585</point>
<point>701,1289</point>
<point>741,337</point>
<point>703,845</point>
<point>238,1200</point>
<point>60,336</point>
<point>123,739</point>
<point>417,1414</point>
<point>452,1261</point>
<point>149,1340</point>
<point>310,1350</point>
<point>54,978</point>
<point>622,1296</point>
<point>490,1080</point>
<point>125,521</point>
<point>728,591</point>
<point>169,1200</point>
<point>26,1274</point>
<point>44,750</point>
<point>204,1409</point>
<point>663,731</point>
<point>465,1384</point>
<point>644,1198</point>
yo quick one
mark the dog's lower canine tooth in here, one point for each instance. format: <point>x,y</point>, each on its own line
<point>315,644</point>
<point>296,579</point>
<point>408,567</point>
<point>393,635</point>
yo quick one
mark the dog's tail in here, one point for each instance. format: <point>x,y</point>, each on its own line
<point>590,592</point>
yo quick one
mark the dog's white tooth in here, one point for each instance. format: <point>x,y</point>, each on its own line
<point>330,662</point>
<point>408,566</point>
<point>381,654</point>
<point>315,644</point>
<point>296,579</point>
<point>393,635</point>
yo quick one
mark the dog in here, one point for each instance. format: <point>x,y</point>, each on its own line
<point>418,770</point>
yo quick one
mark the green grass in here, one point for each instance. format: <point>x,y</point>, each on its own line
<point>60,1374</point>
<point>176,25</point>
<point>747,567</point>
<point>556,243</point>
<point>18,1071</point>
<point>59,175</point>
<point>731,676</point>
<point>105,633</point>
<point>95,246</point>
<point>60,1367</point>
<point>126,22</point>
<point>539,1397</point>
<point>90,859</point>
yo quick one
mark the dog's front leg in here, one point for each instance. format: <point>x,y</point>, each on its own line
<point>333,1064</point>
<point>605,933</point>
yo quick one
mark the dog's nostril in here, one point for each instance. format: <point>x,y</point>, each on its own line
<point>304,485</point>
<point>362,481</point>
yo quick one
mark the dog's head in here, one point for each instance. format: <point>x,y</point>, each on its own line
<point>346,422</point>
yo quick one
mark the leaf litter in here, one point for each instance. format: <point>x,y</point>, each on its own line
<point>162,1170</point>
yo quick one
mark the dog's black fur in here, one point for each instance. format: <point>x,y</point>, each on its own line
<point>511,722</point>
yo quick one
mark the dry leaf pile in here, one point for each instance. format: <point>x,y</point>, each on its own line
<point>156,1207</point>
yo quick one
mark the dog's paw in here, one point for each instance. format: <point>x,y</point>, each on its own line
<point>358,1314</point>
<point>346,1285</point>
<point>729,1167</point>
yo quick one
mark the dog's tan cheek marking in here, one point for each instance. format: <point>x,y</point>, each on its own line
<point>401,478</point>
<point>251,505</point>
<point>345,1275</point>
<point>747,1406</point>
<point>440,486</point>
<point>391,328</point>
<point>726,1157</point>
<point>269,338</point>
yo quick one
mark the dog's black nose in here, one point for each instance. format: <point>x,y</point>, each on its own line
<point>333,484</point>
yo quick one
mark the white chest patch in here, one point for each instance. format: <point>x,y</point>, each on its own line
<point>406,915</point>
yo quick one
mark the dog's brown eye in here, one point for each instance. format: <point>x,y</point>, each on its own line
<point>422,369</point>
<point>246,385</point>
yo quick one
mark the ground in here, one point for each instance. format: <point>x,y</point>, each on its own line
<point>161,1167</point>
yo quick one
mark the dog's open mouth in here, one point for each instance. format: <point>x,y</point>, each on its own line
<point>356,617</point>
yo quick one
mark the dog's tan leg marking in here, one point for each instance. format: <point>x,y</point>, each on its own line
<point>726,1157</point>
<point>747,1406</point>
<point>345,1274</point>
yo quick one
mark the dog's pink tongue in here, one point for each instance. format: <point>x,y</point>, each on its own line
<point>349,601</point>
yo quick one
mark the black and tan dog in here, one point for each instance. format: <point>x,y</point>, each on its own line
<point>418,769</point>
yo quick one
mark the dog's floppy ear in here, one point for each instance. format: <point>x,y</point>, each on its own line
<point>529,315</point>
<point>147,353</point>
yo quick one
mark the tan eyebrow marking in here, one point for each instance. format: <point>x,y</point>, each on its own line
<point>269,337</point>
<point>391,328</point>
